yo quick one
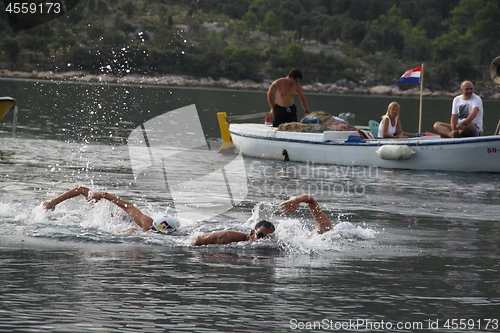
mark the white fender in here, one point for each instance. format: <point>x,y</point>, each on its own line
<point>395,152</point>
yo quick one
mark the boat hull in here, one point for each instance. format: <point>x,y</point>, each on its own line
<point>6,104</point>
<point>479,154</point>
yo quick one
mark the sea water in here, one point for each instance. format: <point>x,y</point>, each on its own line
<point>412,250</point>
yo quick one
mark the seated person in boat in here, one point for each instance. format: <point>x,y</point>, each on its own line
<point>323,224</point>
<point>466,115</point>
<point>390,125</point>
<point>280,98</point>
<point>163,224</point>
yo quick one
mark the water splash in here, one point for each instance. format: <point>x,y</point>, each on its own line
<point>263,211</point>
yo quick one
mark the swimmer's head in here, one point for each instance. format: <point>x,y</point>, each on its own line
<point>165,224</point>
<point>262,229</point>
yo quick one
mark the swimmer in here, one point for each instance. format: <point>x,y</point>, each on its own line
<point>164,224</point>
<point>262,229</point>
<point>323,224</point>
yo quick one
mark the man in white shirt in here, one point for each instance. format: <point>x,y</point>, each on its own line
<point>466,115</point>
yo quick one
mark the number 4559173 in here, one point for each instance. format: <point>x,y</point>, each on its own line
<point>33,8</point>
<point>470,324</point>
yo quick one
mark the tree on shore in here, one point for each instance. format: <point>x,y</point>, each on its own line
<point>11,48</point>
<point>271,24</point>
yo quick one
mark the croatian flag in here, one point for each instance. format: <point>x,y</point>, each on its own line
<point>411,76</point>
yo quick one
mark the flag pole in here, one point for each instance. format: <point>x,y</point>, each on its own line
<point>421,92</point>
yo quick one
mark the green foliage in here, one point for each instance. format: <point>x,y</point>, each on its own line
<point>366,41</point>
<point>271,24</point>
<point>463,67</point>
<point>11,48</point>
<point>241,62</point>
<point>295,56</point>
<point>128,8</point>
<point>250,20</point>
<point>232,8</point>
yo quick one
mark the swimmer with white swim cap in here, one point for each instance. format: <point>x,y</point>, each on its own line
<point>164,224</point>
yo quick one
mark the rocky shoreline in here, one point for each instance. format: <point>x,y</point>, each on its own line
<point>339,87</point>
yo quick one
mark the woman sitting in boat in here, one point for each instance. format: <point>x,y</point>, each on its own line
<point>390,126</point>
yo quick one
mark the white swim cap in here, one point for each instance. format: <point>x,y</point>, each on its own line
<point>166,224</point>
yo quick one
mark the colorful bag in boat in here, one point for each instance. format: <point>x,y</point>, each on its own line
<point>311,120</point>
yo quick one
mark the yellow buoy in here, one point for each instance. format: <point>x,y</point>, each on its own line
<point>227,143</point>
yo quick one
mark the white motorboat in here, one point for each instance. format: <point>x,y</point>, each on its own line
<point>474,154</point>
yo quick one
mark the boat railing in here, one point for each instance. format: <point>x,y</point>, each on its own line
<point>247,116</point>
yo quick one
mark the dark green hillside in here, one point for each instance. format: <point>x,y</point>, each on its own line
<point>368,42</point>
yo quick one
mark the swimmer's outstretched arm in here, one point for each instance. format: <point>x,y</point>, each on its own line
<point>220,237</point>
<point>323,224</point>
<point>74,192</point>
<point>141,219</point>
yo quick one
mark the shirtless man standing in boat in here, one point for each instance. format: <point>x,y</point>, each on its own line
<point>283,108</point>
